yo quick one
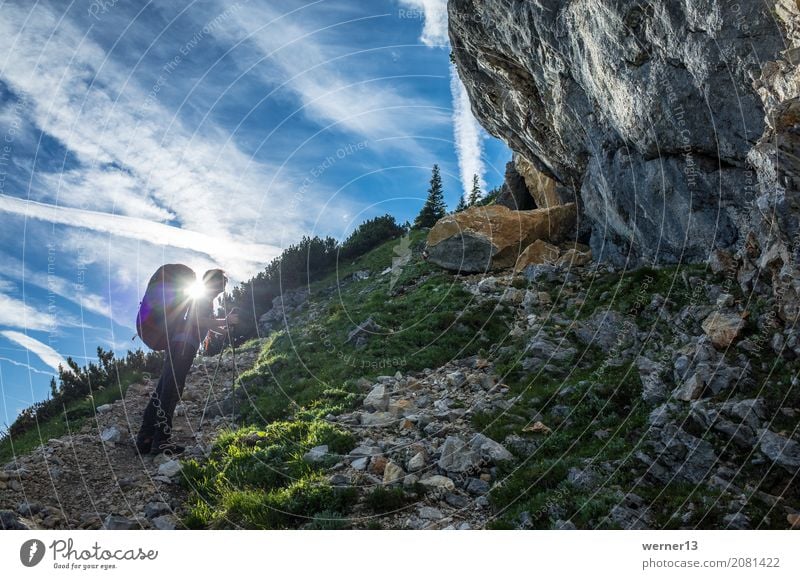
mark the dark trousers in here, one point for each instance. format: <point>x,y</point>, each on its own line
<point>157,419</point>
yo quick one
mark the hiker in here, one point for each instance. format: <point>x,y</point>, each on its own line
<point>183,341</point>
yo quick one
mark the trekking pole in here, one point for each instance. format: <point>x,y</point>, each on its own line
<point>235,374</point>
<point>232,341</point>
<point>213,379</point>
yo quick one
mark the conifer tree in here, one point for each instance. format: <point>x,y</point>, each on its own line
<point>434,208</point>
<point>461,204</point>
<point>475,194</point>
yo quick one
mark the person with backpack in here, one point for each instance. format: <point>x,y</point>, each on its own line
<point>175,316</point>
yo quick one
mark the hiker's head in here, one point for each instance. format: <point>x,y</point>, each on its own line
<point>214,281</point>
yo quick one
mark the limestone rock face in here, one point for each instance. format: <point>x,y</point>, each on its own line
<point>544,190</point>
<point>514,193</point>
<point>771,246</point>
<point>647,111</point>
<point>492,237</point>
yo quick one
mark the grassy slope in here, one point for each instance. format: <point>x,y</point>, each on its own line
<point>310,371</point>
<point>71,419</point>
<point>256,477</point>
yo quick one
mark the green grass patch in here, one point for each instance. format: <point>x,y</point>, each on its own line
<point>258,479</point>
<point>629,292</point>
<point>387,500</point>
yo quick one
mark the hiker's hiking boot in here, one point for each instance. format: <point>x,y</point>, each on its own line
<point>168,448</point>
<point>143,445</point>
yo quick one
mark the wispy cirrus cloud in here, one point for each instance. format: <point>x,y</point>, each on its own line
<point>18,314</point>
<point>27,314</point>
<point>135,165</point>
<point>468,135</point>
<point>467,131</point>
<point>434,15</point>
<point>102,188</point>
<point>327,77</point>
<point>49,281</point>
<point>44,352</point>
<point>28,367</point>
<point>224,249</point>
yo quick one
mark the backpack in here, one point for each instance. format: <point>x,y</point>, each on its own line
<point>164,304</point>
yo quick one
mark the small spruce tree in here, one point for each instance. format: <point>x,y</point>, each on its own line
<point>434,208</point>
<point>461,204</point>
<point>475,193</point>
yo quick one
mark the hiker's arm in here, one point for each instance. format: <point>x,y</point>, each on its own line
<point>211,323</point>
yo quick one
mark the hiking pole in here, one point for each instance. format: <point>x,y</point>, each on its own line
<point>213,379</point>
<point>232,342</point>
<point>231,328</point>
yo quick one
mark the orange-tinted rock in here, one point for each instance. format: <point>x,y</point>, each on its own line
<point>537,253</point>
<point>541,252</point>
<point>492,237</point>
<point>377,464</point>
<point>575,257</point>
<point>541,187</point>
<point>538,427</point>
<point>723,329</point>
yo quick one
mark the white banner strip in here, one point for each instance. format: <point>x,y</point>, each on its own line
<point>402,554</point>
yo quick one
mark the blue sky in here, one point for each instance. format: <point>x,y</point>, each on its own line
<point>208,133</point>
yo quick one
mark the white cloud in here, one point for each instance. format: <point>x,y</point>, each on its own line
<point>222,248</point>
<point>331,89</point>
<point>434,29</point>
<point>138,166</point>
<point>26,366</point>
<point>105,189</point>
<point>45,353</point>
<point>468,134</point>
<point>49,281</point>
<point>467,131</point>
<point>18,314</point>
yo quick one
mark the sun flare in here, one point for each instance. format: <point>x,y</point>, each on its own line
<point>196,290</point>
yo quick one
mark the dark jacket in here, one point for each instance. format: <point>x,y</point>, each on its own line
<point>188,329</point>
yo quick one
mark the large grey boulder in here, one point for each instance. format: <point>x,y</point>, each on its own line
<point>378,398</point>
<point>457,456</point>
<point>488,449</point>
<point>283,305</point>
<point>679,456</point>
<point>784,452</point>
<point>647,110</point>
